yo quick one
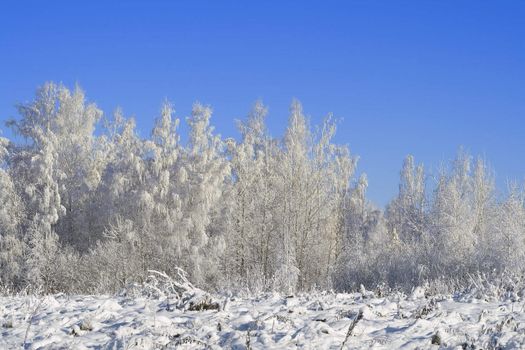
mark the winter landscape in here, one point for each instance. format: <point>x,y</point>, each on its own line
<point>212,228</point>
<point>114,241</point>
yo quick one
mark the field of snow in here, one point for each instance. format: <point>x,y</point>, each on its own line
<point>270,321</point>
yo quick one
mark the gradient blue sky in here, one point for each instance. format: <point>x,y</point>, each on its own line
<point>418,77</point>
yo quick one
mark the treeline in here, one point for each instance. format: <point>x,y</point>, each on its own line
<point>88,206</point>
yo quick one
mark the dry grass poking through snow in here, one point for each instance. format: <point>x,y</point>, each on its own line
<point>310,321</point>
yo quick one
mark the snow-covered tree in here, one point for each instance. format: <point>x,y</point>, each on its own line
<point>506,235</point>
<point>124,203</point>
<point>206,176</point>
<point>314,176</point>
<point>11,211</point>
<point>38,180</point>
<point>164,181</point>
<point>406,213</point>
<point>58,161</point>
<point>460,213</point>
<point>252,235</point>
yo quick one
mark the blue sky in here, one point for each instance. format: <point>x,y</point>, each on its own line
<point>418,77</point>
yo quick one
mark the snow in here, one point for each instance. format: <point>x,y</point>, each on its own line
<point>309,321</point>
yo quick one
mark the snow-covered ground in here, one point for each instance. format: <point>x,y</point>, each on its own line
<point>271,321</point>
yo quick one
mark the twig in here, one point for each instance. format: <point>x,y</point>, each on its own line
<point>248,341</point>
<point>351,327</point>
<point>30,320</point>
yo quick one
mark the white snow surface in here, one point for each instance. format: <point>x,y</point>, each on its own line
<point>268,321</point>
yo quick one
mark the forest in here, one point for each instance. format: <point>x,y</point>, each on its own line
<point>88,206</point>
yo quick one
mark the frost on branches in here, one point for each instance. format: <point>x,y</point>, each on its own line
<point>89,206</point>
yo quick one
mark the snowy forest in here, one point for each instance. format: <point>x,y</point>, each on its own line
<point>88,206</point>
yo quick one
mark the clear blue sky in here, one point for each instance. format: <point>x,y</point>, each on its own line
<point>419,77</point>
